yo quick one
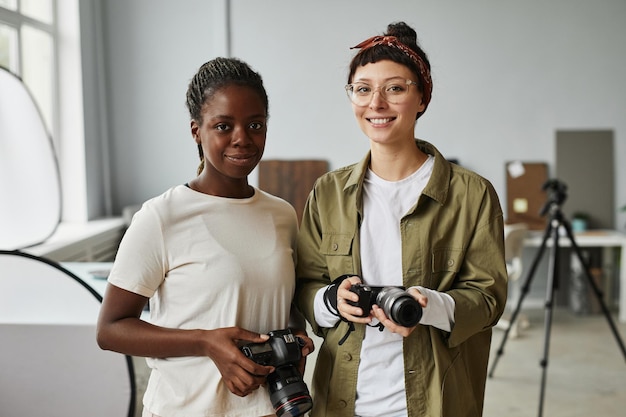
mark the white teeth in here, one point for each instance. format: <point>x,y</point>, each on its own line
<point>380,121</point>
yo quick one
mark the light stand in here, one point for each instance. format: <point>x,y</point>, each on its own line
<point>556,221</point>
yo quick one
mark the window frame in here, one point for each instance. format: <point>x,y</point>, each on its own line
<point>17,20</point>
<point>83,198</point>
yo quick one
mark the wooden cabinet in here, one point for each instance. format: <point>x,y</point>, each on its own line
<point>291,180</point>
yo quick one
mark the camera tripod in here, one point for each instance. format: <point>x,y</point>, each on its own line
<point>556,220</point>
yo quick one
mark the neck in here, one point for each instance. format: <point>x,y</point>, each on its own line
<point>398,163</point>
<point>238,189</point>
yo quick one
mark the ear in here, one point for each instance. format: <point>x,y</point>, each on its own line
<point>422,106</point>
<point>194,131</point>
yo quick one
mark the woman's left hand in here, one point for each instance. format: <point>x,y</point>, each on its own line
<point>391,325</point>
<point>306,350</point>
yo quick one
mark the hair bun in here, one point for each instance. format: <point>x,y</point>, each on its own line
<point>405,33</point>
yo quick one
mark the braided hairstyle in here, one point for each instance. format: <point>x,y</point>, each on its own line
<point>405,34</point>
<point>214,75</point>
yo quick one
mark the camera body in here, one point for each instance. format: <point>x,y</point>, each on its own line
<point>396,302</point>
<point>288,392</point>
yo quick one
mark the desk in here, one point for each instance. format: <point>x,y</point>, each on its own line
<point>608,240</point>
<point>86,271</point>
<point>49,349</point>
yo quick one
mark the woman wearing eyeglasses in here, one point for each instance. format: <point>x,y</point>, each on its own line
<point>402,216</point>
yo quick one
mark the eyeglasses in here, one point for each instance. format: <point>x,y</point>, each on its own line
<point>393,92</point>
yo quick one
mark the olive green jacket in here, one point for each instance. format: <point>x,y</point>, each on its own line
<point>452,241</point>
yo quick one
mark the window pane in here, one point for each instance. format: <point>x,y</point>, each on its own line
<point>9,4</point>
<point>38,9</point>
<point>8,47</point>
<point>38,69</point>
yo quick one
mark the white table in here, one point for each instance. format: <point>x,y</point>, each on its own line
<point>50,362</point>
<point>85,271</point>
<point>608,240</point>
<point>91,273</point>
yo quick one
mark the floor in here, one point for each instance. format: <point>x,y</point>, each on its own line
<point>585,375</point>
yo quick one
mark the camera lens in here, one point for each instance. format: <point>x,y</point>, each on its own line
<point>399,306</point>
<point>288,392</point>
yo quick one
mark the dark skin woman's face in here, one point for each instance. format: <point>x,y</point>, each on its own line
<point>232,136</point>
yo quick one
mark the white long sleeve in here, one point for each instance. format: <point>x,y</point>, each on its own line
<point>439,311</point>
<point>323,316</point>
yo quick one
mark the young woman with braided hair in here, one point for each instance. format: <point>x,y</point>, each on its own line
<point>214,257</point>
<point>402,216</point>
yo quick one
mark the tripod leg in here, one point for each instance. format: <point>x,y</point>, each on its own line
<point>552,284</point>
<point>524,291</point>
<point>598,293</point>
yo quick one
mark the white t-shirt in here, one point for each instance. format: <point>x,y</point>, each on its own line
<point>208,262</point>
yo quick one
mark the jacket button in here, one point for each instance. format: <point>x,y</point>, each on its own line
<point>450,262</point>
<point>343,404</point>
<point>347,357</point>
<point>335,246</point>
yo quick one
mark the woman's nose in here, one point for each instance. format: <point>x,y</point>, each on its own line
<point>240,137</point>
<point>377,100</point>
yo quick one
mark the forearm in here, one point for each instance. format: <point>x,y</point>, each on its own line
<point>439,312</point>
<point>135,337</point>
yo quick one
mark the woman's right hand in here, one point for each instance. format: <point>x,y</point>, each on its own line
<point>241,375</point>
<point>348,311</point>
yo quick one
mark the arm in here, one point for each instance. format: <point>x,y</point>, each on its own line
<point>120,329</point>
<point>479,289</point>
<point>311,271</point>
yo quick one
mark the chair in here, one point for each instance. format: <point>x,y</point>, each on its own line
<point>514,235</point>
<point>51,364</point>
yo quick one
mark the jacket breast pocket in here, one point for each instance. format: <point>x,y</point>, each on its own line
<point>445,264</point>
<point>446,260</point>
<point>337,248</point>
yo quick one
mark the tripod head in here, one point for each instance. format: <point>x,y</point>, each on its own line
<point>557,194</point>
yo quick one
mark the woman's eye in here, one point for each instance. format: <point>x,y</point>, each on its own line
<point>221,127</point>
<point>256,125</point>
<point>362,89</point>
<point>395,88</point>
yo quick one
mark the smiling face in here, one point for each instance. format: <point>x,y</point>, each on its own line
<point>232,136</point>
<point>383,122</point>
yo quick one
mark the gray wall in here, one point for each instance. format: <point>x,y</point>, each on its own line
<point>507,76</point>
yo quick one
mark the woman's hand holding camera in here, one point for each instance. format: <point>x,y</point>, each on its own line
<point>348,311</point>
<point>307,348</point>
<point>355,314</point>
<point>391,325</point>
<point>241,375</point>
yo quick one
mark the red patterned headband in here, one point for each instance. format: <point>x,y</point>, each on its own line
<point>392,41</point>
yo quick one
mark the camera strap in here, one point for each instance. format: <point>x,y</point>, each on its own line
<point>330,301</point>
<point>330,295</point>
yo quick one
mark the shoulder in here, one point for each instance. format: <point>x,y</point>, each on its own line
<point>274,203</point>
<point>176,193</point>
<point>465,178</point>
<point>271,199</point>
<point>337,178</point>
<point>176,203</point>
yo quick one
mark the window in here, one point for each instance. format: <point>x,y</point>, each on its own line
<point>28,39</point>
<point>40,42</point>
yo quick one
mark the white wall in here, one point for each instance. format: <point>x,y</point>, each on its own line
<point>152,49</point>
<point>507,75</point>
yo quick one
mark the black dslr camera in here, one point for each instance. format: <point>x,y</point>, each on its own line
<point>288,392</point>
<point>396,302</point>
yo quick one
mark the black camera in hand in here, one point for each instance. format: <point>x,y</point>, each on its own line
<point>288,392</point>
<point>396,302</point>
